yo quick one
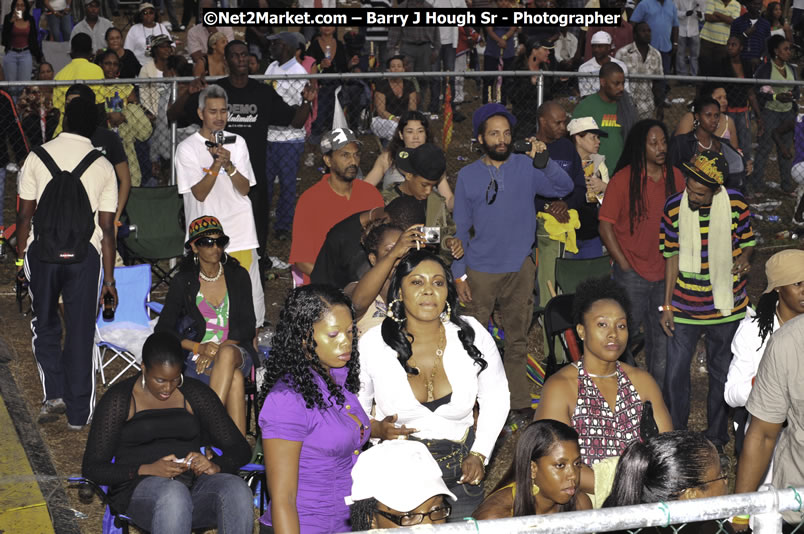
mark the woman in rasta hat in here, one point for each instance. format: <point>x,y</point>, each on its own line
<point>209,304</point>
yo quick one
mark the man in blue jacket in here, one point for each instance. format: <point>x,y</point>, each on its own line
<point>495,196</point>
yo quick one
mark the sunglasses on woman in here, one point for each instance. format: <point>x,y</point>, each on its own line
<point>208,242</point>
<point>409,520</point>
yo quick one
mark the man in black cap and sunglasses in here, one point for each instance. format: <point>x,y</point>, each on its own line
<point>495,196</point>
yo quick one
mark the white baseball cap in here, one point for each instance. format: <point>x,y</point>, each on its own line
<point>601,37</point>
<point>401,474</point>
<point>584,124</point>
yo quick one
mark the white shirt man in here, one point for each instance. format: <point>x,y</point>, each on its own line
<point>219,185</point>
<point>601,49</point>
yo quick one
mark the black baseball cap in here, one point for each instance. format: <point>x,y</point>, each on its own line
<point>426,160</point>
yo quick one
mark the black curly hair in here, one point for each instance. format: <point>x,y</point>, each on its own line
<point>293,358</point>
<point>395,335</point>
<point>374,233</point>
<point>595,289</point>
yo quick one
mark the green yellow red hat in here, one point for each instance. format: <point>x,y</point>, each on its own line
<point>204,225</point>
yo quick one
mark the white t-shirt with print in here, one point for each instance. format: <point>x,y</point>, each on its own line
<point>224,201</point>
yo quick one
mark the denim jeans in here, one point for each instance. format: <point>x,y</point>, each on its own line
<point>18,67</point>
<point>646,297</point>
<point>163,505</point>
<point>282,160</point>
<point>743,128</point>
<point>60,27</point>
<point>691,45</point>
<point>680,350</point>
<point>445,62</point>
<point>772,120</point>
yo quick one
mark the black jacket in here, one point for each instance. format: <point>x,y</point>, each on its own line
<point>180,305</point>
<point>33,38</point>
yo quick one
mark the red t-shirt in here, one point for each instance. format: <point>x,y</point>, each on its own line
<point>319,209</point>
<point>641,248</point>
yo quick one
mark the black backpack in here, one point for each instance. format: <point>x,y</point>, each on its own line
<point>64,221</point>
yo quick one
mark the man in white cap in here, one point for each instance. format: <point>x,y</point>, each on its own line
<point>336,196</point>
<point>398,484</point>
<point>601,54</point>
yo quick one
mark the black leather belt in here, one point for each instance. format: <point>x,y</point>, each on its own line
<point>19,49</point>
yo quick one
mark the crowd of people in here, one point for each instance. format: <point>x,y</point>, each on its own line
<point>385,396</point>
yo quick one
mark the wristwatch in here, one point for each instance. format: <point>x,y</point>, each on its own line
<point>108,284</point>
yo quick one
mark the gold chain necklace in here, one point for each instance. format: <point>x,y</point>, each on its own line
<point>429,382</point>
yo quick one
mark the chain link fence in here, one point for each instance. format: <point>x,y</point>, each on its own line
<point>772,141</point>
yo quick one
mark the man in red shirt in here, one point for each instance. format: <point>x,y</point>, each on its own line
<point>630,218</point>
<point>336,196</point>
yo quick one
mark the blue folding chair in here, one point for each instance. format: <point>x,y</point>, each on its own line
<point>114,522</point>
<point>122,337</point>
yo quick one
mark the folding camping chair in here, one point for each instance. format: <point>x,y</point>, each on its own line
<point>571,272</point>
<point>122,337</point>
<point>156,219</point>
<point>558,323</point>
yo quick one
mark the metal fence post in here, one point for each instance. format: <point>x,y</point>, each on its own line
<point>174,94</point>
<point>540,90</point>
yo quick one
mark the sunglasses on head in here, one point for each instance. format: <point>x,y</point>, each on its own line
<point>208,242</point>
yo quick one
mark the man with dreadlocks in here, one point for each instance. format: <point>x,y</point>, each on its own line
<point>782,300</point>
<point>629,226</point>
<point>707,240</point>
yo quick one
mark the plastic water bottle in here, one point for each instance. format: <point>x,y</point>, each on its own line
<point>701,359</point>
<point>328,52</point>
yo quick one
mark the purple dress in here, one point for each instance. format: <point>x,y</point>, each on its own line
<point>331,441</point>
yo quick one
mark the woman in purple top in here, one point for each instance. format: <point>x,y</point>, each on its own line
<point>313,426</point>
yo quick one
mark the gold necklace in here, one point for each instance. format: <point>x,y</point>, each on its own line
<point>429,382</point>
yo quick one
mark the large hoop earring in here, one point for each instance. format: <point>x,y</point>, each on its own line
<point>446,314</point>
<point>390,312</point>
<point>225,258</point>
<point>181,382</point>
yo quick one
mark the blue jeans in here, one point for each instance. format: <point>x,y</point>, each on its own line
<point>163,505</point>
<point>680,349</point>
<point>743,133</point>
<point>60,27</point>
<point>693,46</point>
<point>772,120</point>
<point>646,297</point>
<point>446,62</point>
<point>18,67</point>
<point>282,160</point>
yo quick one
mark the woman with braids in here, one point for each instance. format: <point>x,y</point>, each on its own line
<point>313,426</point>
<point>582,394</point>
<point>781,301</point>
<point>209,305</point>
<point>543,478</point>
<point>630,217</point>
<point>704,134</point>
<point>413,130</point>
<point>426,367</point>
